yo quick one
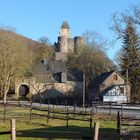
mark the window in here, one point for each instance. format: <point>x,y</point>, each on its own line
<point>115,77</point>
<point>122,90</point>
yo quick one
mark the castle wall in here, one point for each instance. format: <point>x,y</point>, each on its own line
<point>49,90</point>
<point>70,45</point>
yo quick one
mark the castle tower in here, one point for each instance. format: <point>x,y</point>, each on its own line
<point>78,42</point>
<point>64,34</point>
<point>64,30</point>
<point>65,43</point>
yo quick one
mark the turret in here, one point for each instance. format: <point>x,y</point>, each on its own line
<point>64,30</point>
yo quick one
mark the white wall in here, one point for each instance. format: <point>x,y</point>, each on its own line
<point>119,99</point>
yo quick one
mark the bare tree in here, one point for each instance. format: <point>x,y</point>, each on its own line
<point>46,49</point>
<point>94,39</point>
<point>14,61</point>
<point>120,20</point>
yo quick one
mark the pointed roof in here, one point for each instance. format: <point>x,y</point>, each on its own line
<point>101,78</point>
<point>65,25</point>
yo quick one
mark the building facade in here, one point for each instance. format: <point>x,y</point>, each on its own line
<point>110,87</point>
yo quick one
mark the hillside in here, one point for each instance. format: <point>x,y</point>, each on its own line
<point>37,48</point>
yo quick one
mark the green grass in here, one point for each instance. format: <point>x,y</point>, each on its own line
<point>38,129</point>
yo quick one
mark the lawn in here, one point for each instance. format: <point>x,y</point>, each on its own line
<point>38,129</point>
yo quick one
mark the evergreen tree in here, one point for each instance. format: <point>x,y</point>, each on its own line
<point>130,62</point>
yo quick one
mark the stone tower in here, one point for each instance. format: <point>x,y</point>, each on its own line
<point>64,36</point>
<point>65,43</point>
<point>64,30</point>
<point>78,42</point>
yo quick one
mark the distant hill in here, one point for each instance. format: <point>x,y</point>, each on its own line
<point>35,46</point>
<point>19,38</point>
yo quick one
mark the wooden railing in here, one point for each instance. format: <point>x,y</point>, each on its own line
<point>62,115</point>
<point>125,123</point>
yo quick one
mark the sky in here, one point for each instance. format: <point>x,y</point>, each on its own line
<point>37,18</point>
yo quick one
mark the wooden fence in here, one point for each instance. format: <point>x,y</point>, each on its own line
<point>62,115</point>
<point>128,125</point>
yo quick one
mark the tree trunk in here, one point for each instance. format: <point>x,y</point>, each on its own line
<point>5,98</point>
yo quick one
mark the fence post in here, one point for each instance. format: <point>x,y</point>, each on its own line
<point>121,109</point>
<point>13,129</point>
<point>31,107</point>
<point>48,116</point>
<point>67,117</point>
<point>118,122</point>
<point>74,106</point>
<point>48,103</point>
<point>93,110</point>
<point>110,106</point>
<point>91,119</point>
<point>96,131</point>
<point>66,104</point>
<point>4,112</point>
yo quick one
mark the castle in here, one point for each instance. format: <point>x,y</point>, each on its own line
<point>65,43</point>
<point>55,72</point>
<point>53,80</point>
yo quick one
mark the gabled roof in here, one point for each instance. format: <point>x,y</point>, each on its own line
<point>100,78</point>
<point>65,25</point>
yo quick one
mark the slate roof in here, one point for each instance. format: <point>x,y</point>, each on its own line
<point>49,67</point>
<point>42,68</point>
<point>100,78</point>
<point>55,68</point>
<point>65,25</point>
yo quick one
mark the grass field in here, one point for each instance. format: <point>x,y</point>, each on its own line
<point>38,129</point>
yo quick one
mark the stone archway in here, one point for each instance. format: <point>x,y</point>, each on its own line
<point>23,90</point>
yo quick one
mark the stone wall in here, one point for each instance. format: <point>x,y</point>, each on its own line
<point>49,89</point>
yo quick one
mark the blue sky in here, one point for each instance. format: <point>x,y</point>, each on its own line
<point>37,18</point>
